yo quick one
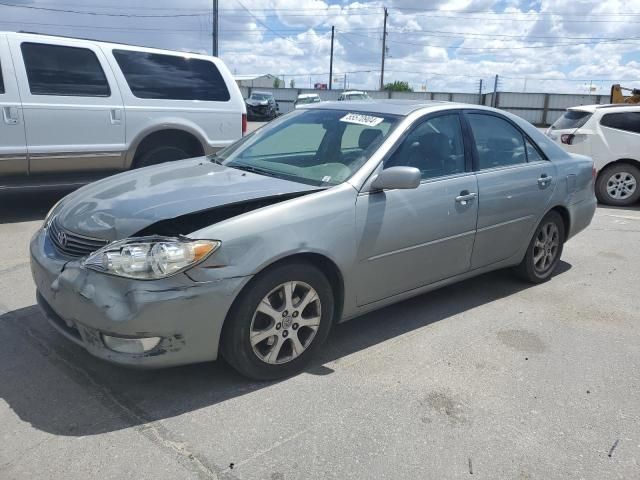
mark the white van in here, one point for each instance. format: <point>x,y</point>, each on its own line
<point>74,110</point>
<point>610,134</point>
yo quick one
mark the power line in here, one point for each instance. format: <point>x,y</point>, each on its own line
<point>617,41</point>
<point>106,14</point>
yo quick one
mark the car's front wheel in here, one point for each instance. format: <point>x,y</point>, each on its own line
<point>544,251</point>
<point>278,321</point>
<point>619,185</point>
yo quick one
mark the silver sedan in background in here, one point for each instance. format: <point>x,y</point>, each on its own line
<point>328,212</point>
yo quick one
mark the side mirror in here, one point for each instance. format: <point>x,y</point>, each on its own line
<point>397,178</point>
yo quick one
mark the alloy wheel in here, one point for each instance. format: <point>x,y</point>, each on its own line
<point>621,185</point>
<point>285,322</point>
<point>545,247</point>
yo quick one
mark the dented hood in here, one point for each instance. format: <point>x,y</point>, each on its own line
<point>120,206</point>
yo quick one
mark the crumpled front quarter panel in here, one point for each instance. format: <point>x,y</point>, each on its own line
<point>322,223</point>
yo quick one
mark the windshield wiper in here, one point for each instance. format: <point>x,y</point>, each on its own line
<point>249,168</point>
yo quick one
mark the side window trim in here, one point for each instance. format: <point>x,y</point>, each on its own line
<point>417,124</point>
<point>474,151</point>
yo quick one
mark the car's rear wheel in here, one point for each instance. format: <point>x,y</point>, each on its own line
<point>162,154</point>
<point>618,185</point>
<point>278,322</point>
<point>544,251</point>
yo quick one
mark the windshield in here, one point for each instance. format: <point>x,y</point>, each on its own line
<point>260,96</point>
<point>316,147</point>
<point>571,119</point>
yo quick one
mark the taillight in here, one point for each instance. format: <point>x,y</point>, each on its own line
<point>244,124</point>
<point>567,138</point>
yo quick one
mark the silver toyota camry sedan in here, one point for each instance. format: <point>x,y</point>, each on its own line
<point>328,212</point>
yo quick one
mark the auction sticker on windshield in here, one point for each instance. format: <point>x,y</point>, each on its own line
<point>360,119</point>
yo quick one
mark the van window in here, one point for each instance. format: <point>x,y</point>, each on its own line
<point>171,77</point>
<point>628,121</point>
<point>60,70</point>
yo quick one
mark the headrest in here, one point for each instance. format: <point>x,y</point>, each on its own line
<point>367,137</point>
<point>501,144</point>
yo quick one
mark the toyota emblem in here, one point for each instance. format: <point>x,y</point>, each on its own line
<point>62,239</point>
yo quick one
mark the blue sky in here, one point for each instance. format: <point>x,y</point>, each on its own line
<point>440,45</point>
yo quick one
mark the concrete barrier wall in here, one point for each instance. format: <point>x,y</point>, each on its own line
<point>541,109</point>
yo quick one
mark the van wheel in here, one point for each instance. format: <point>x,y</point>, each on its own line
<point>278,322</point>
<point>544,251</point>
<point>618,185</point>
<point>161,154</point>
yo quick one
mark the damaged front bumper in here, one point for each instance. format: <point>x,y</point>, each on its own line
<point>85,305</point>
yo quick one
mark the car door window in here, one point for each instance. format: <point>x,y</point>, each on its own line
<point>1,81</point>
<point>627,121</point>
<point>498,143</point>
<point>435,147</point>
<point>533,154</point>
<point>62,70</point>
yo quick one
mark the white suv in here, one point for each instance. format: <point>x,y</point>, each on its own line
<point>73,110</point>
<point>610,134</point>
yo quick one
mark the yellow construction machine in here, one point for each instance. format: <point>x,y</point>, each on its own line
<point>618,97</point>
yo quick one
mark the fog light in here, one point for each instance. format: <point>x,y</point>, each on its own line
<point>130,345</point>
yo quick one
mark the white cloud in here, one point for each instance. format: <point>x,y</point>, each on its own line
<point>449,44</point>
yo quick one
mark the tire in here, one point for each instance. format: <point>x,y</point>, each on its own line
<point>161,154</point>
<point>618,185</point>
<point>544,251</point>
<point>271,352</point>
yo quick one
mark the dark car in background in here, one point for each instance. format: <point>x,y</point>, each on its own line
<point>261,106</point>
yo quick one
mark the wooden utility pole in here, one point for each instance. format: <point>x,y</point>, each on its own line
<point>331,58</point>
<point>495,91</point>
<point>480,93</point>
<point>384,48</point>
<point>214,30</point>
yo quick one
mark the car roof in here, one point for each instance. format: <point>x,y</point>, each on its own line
<point>35,36</point>
<point>353,92</point>
<point>261,92</point>
<point>384,106</point>
<point>308,95</point>
<point>609,107</point>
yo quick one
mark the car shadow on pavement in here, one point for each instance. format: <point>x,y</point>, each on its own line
<point>25,207</point>
<point>59,388</point>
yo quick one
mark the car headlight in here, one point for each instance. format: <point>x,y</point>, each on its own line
<point>150,258</point>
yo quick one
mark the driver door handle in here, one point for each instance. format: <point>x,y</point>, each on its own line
<point>466,196</point>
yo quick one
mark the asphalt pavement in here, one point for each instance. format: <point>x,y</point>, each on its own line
<point>491,378</point>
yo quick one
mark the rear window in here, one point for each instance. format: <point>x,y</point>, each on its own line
<point>571,119</point>
<point>171,77</point>
<point>64,71</point>
<point>628,121</point>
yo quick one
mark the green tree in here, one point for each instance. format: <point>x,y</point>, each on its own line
<point>398,86</point>
<point>276,82</point>
<point>292,83</point>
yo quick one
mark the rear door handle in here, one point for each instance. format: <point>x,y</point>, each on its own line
<point>465,196</point>
<point>116,116</point>
<point>10,115</point>
<point>544,180</point>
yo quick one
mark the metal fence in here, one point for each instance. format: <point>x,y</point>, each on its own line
<point>541,109</point>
